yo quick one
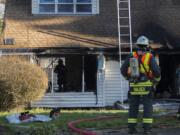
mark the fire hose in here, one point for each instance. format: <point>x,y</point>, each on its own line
<point>72,125</point>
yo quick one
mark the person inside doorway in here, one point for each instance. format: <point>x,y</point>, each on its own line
<point>61,75</point>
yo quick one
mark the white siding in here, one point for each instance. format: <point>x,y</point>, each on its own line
<point>100,88</point>
<point>116,87</point>
<point>35,7</point>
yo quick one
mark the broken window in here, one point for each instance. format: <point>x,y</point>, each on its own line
<point>71,73</point>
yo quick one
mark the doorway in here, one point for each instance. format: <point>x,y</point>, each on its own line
<point>79,73</point>
<point>167,87</point>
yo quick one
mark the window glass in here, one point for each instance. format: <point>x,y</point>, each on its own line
<point>65,1</point>
<point>65,8</point>
<point>84,8</point>
<point>47,8</point>
<point>84,1</point>
<point>47,1</point>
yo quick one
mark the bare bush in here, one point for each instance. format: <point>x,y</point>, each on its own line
<point>20,82</point>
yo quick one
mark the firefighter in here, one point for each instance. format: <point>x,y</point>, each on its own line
<point>142,79</point>
<point>60,69</point>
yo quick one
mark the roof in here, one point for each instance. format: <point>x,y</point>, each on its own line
<point>99,31</point>
<point>159,21</point>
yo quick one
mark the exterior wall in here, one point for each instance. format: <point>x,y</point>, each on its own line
<point>116,87</point>
<point>158,19</point>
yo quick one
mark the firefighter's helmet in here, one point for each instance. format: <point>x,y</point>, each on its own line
<point>142,41</point>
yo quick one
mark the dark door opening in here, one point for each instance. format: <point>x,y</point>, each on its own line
<point>71,73</point>
<point>167,88</point>
<point>90,72</point>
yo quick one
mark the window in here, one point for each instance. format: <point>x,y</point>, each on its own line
<point>47,8</point>
<point>65,1</point>
<point>47,1</point>
<point>84,8</point>
<point>66,6</point>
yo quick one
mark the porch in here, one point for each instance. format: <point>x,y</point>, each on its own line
<point>70,99</point>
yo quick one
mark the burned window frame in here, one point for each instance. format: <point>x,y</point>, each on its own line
<point>52,74</point>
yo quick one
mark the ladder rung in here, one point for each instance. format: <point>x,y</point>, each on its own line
<point>123,8</point>
<point>124,17</point>
<point>123,1</point>
<point>125,43</point>
<point>124,35</point>
<point>124,26</point>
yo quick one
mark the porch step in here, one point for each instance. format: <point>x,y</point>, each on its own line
<point>68,100</point>
<point>59,94</point>
<point>62,105</point>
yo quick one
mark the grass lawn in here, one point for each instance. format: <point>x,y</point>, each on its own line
<point>70,115</point>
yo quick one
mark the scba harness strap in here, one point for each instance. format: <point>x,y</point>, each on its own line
<point>144,62</point>
<point>142,88</point>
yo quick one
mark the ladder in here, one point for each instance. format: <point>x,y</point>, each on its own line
<point>124,32</point>
<point>124,23</point>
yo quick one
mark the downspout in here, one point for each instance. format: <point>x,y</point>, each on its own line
<point>83,82</point>
<point>101,75</point>
<point>0,53</point>
<point>52,77</point>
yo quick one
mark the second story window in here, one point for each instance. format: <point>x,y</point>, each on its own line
<point>66,6</point>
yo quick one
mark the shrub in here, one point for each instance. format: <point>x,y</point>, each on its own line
<point>20,82</point>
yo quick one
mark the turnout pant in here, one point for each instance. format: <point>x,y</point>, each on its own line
<point>134,102</point>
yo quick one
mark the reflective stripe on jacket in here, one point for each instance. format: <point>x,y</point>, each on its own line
<point>140,88</point>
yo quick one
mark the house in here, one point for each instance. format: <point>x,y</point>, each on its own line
<point>83,34</point>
